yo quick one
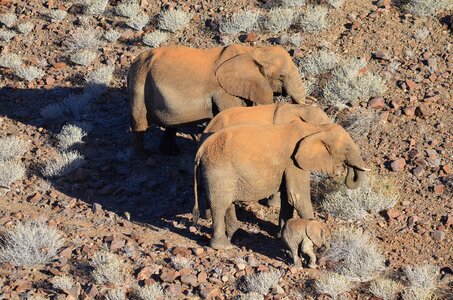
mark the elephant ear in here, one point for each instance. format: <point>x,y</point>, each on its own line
<point>315,233</point>
<point>313,153</point>
<point>240,76</point>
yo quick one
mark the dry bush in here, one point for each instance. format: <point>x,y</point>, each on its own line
<point>279,19</point>
<point>29,244</point>
<point>138,22</point>
<point>335,3</point>
<point>57,15</point>
<point>318,63</point>
<point>116,294</point>
<point>69,136</point>
<point>64,283</point>
<point>347,84</point>
<point>12,147</point>
<point>6,35</point>
<point>63,164</point>
<point>355,204</point>
<point>149,292</point>
<point>155,38</point>
<point>174,20</point>
<point>358,256</point>
<point>108,268</point>
<point>360,123</point>
<point>250,296</point>
<point>262,282</point>
<point>78,105</point>
<point>10,60</point>
<point>384,288</point>
<point>128,8</point>
<point>413,293</point>
<point>422,33</point>
<point>423,276</point>
<point>10,171</point>
<point>112,35</point>
<point>332,284</point>
<point>8,19</point>
<point>242,21</point>
<point>83,57</point>
<point>84,39</point>
<point>426,7</point>
<point>180,262</point>
<point>29,73</point>
<point>102,76</point>
<point>25,27</point>
<point>53,111</point>
<point>95,7</point>
<point>313,19</point>
<point>293,3</point>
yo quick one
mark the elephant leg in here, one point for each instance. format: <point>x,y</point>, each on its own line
<point>274,200</point>
<point>307,248</point>
<point>220,201</point>
<point>224,101</point>
<point>298,191</point>
<point>168,142</point>
<point>232,223</point>
<point>294,249</point>
<point>286,213</point>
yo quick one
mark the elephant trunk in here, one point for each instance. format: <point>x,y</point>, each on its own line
<point>294,86</point>
<point>354,177</point>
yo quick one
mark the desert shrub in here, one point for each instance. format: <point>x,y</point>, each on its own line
<point>78,105</point>
<point>279,19</point>
<point>10,171</point>
<point>101,76</point>
<point>116,294</point>
<point>332,284</point>
<point>174,20</point>
<point>138,22</point>
<point>242,21</point>
<point>29,244</point>
<point>25,27</point>
<point>53,111</point>
<point>128,8</point>
<point>293,3</point>
<point>70,135</point>
<point>64,283</point>
<point>108,268</point>
<point>29,73</point>
<point>83,57</point>
<point>149,292</point>
<point>422,33</point>
<point>84,39</point>
<point>57,15</point>
<point>359,123</point>
<point>413,293</point>
<point>250,296</point>
<point>6,35</point>
<point>262,282</point>
<point>347,84</point>
<point>155,38</point>
<point>8,19</point>
<point>63,164</point>
<point>358,256</point>
<point>313,19</point>
<point>423,276</point>
<point>384,288</point>
<point>317,63</point>
<point>12,147</point>
<point>426,7</point>
<point>95,7</point>
<point>335,3</point>
<point>355,204</point>
<point>180,262</point>
<point>112,35</point>
<point>10,60</point>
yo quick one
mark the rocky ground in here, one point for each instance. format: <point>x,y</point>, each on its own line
<point>140,209</point>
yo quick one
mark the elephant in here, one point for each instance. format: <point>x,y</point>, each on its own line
<point>251,162</point>
<point>176,85</point>
<point>304,234</point>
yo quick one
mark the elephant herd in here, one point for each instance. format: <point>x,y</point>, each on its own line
<point>252,148</point>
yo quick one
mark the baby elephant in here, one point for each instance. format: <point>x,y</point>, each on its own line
<point>305,233</point>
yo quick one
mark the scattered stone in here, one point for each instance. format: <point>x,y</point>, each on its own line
<point>392,213</point>
<point>422,111</point>
<point>381,55</point>
<point>438,235</point>
<point>412,220</point>
<point>398,165</point>
<point>209,292</point>
<point>189,279</point>
<point>410,111</point>
<point>376,103</point>
<point>145,273</point>
<point>395,103</point>
<point>277,289</point>
<point>96,207</point>
<point>169,275</point>
<point>411,84</point>
<point>251,37</point>
<point>418,171</point>
<point>198,251</point>
<point>202,277</point>
<point>439,189</point>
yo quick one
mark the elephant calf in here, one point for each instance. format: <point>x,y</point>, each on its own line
<point>304,234</point>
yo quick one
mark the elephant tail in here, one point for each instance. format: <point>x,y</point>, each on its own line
<point>196,209</point>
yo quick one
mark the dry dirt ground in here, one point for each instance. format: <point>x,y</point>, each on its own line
<point>145,216</point>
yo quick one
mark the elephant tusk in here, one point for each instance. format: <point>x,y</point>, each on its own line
<point>366,169</point>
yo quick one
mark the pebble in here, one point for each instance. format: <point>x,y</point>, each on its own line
<point>410,110</point>
<point>422,111</point>
<point>439,189</point>
<point>376,103</point>
<point>392,213</point>
<point>96,207</point>
<point>418,171</point>
<point>398,165</point>
<point>189,279</point>
<point>411,84</point>
<point>438,235</point>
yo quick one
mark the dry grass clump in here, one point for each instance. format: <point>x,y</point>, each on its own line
<point>138,22</point>
<point>10,60</point>
<point>29,73</point>
<point>150,292</point>
<point>6,35</point>
<point>75,105</point>
<point>251,296</point>
<point>83,57</point>
<point>293,3</point>
<point>358,256</point>
<point>355,204</point>
<point>8,19</point>
<point>279,19</point>
<point>347,84</point>
<point>174,20</point>
<point>10,171</point>
<point>29,244</point>
<point>112,35</point>
<point>335,3</point>
<point>101,76</point>
<point>262,282</point>
<point>333,284</point>
<point>84,39</point>
<point>12,147</point>
<point>95,7</point>
<point>155,38</point>
<point>384,288</point>
<point>63,164</point>
<point>116,294</point>
<point>64,283</point>
<point>360,123</point>
<point>108,268</point>
<point>242,21</point>
<point>53,111</point>
<point>318,63</point>
<point>25,27</point>
<point>426,7</point>
<point>57,15</point>
<point>78,105</point>
<point>69,136</point>
<point>128,8</point>
<point>422,280</point>
<point>422,33</point>
<point>313,19</point>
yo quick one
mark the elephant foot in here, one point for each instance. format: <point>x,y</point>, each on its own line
<point>272,202</point>
<point>221,243</point>
<point>231,228</point>
<point>208,214</point>
<point>313,266</point>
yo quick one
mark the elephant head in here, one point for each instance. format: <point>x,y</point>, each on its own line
<point>318,233</point>
<point>286,113</point>
<point>325,150</point>
<point>256,73</point>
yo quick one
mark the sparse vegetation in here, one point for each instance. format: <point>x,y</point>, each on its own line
<point>279,19</point>
<point>83,57</point>
<point>78,105</point>
<point>128,8</point>
<point>116,294</point>
<point>12,147</point>
<point>30,244</point>
<point>174,20</point>
<point>360,123</point>
<point>384,288</point>
<point>108,268</point>
<point>6,35</point>
<point>421,33</point>
<point>64,283</point>
<point>422,277</point>
<point>95,7</point>
<point>426,7</point>
<point>293,3</point>
<point>8,19</point>
<point>10,171</point>
<point>250,296</point>
<point>318,63</point>
<point>242,21</point>
<point>262,282</point>
<point>333,284</point>
<point>313,19</point>
<point>29,73</point>
<point>155,38</point>
<point>101,76</point>
<point>413,293</point>
<point>335,3</point>
<point>150,292</point>
<point>69,136</point>
<point>57,15</point>
<point>53,111</point>
<point>63,164</point>
<point>84,39</point>
<point>112,35</point>
<point>138,22</point>
<point>25,27</point>
<point>10,60</point>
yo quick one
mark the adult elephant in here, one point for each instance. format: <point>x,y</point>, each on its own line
<point>176,85</point>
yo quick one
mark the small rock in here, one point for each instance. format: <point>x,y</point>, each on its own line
<point>209,292</point>
<point>376,103</point>
<point>431,99</point>
<point>96,207</point>
<point>395,103</point>
<point>190,279</point>
<point>35,198</point>
<point>50,80</point>
<point>144,273</point>
<point>449,221</point>
<point>202,277</point>
<point>392,213</point>
<point>381,55</point>
<point>277,289</point>
<point>251,37</point>
<point>169,275</point>
<point>418,171</point>
<point>240,266</point>
<point>59,65</point>
<point>439,189</point>
<point>438,235</point>
<point>398,165</point>
<point>412,220</point>
<point>151,162</point>
<point>422,111</point>
<point>410,110</point>
<point>411,84</point>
